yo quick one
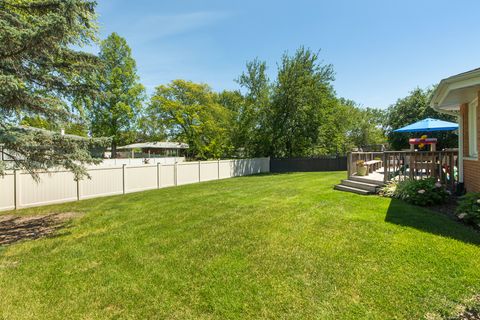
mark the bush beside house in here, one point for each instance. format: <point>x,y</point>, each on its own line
<point>426,192</point>
<point>468,209</point>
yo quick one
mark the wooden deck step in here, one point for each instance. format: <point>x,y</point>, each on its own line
<point>342,187</point>
<point>361,185</point>
<point>365,179</point>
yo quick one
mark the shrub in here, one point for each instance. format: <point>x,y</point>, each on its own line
<point>424,192</point>
<point>389,189</point>
<point>468,208</point>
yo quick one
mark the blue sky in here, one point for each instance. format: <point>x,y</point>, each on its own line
<point>380,49</point>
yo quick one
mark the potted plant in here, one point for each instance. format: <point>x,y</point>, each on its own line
<point>361,168</point>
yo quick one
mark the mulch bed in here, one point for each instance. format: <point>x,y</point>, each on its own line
<point>14,228</point>
<point>469,312</point>
<point>448,209</point>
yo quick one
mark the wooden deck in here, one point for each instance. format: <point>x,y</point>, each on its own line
<point>401,165</point>
<point>375,177</point>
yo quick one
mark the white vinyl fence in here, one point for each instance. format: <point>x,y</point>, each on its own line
<point>140,161</point>
<point>19,190</point>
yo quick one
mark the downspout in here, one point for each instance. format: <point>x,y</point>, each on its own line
<point>460,140</point>
<point>460,149</point>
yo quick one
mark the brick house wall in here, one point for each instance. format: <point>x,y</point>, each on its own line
<point>471,168</point>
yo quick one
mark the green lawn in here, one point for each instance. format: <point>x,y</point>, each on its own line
<point>271,246</point>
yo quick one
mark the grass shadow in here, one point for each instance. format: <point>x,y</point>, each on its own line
<point>16,229</point>
<point>403,214</point>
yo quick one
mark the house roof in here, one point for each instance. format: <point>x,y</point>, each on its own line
<point>453,91</point>
<point>156,145</point>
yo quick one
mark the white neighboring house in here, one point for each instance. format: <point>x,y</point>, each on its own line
<point>154,149</point>
<point>163,152</point>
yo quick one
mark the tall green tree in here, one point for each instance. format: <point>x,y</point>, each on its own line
<point>150,127</point>
<point>254,134</point>
<point>335,131</point>
<point>39,74</point>
<point>235,103</point>
<point>303,99</point>
<point>114,113</point>
<point>412,108</point>
<point>365,126</point>
<point>191,113</point>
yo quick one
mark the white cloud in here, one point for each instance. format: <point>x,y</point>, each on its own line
<point>162,26</point>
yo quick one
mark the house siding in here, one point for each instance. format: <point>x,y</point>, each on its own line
<point>471,168</point>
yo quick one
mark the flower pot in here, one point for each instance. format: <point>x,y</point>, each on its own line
<point>361,171</point>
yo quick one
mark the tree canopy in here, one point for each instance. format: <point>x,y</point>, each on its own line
<point>303,98</point>
<point>253,119</point>
<point>410,109</point>
<point>115,110</point>
<point>39,74</point>
<point>191,113</point>
<point>45,83</point>
<point>297,115</point>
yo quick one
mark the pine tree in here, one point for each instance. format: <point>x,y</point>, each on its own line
<point>40,74</point>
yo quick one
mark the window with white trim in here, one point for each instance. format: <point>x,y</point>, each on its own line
<point>472,129</point>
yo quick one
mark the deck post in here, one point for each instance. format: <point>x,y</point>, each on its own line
<point>413,165</point>
<point>385,167</point>
<point>349,164</point>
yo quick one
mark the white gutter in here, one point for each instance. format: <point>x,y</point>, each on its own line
<point>451,113</point>
<point>460,148</point>
<point>458,115</point>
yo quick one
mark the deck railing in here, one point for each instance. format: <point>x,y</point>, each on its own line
<point>353,157</point>
<point>402,165</point>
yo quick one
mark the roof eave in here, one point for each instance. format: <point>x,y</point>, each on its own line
<point>462,80</point>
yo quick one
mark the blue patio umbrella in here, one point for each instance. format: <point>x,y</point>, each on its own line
<point>429,125</point>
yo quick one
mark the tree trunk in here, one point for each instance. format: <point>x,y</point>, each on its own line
<point>114,149</point>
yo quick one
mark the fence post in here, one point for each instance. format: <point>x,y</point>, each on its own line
<point>349,165</point>
<point>123,177</point>
<point>199,173</point>
<point>78,189</point>
<point>385,167</point>
<point>16,186</point>
<point>175,173</point>
<point>218,169</point>
<point>158,175</point>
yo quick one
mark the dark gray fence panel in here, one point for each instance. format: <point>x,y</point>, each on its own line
<point>308,164</point>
